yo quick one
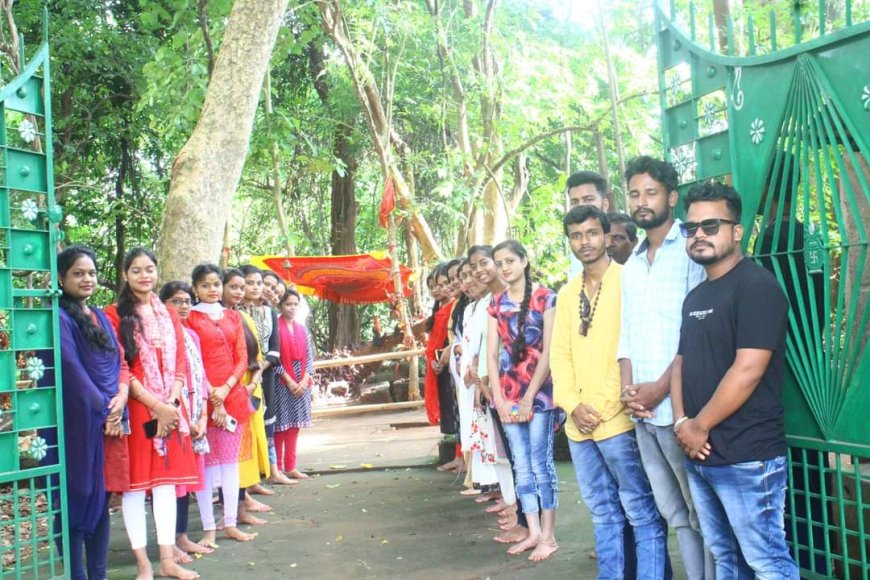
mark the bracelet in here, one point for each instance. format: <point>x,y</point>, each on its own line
<point>679,422</point>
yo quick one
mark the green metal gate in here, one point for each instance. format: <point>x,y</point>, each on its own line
<point>31,460</point>
<point>778,103</point>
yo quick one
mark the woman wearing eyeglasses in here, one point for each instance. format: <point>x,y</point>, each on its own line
<point>178,296</point>
<point>522,317</point>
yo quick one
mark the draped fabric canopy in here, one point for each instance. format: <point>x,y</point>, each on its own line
<point>356,279</point>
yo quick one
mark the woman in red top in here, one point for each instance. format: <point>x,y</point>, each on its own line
<point>225,358</point>
<point>161,455</point>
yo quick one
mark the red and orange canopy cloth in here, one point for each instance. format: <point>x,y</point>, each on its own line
<point>357,279</point>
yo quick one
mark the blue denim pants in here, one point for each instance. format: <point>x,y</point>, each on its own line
<point>611,478</point>
<point>742,512</point>
<point>532,453</point>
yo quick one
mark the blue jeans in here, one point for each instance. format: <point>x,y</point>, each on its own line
<point>611,478</point>
<point>742,513</point>
<point>664,463</point>
<point>532,451</point>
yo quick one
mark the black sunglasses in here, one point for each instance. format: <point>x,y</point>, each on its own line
<point>710,227</point>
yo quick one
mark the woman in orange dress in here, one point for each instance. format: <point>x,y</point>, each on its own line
<point>225,358</point>
<point>161,454</point>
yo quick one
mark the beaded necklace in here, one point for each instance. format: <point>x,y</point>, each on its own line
<point>587,310</point>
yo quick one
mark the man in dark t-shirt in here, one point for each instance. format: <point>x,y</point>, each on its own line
<point>725,389</point>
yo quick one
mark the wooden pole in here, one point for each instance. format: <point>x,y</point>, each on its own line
<point>404,319</point>
<point>367,358</point>
<point>359,409</point>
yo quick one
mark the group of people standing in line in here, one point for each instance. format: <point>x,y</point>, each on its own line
<point>201,385</point>
<point>663,355</point>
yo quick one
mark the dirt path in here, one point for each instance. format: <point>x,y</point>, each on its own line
<point>407,522</point>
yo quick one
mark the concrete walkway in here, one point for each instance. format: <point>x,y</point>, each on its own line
<point>398,518</point>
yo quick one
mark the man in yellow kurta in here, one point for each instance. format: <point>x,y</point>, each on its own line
<point>586,384</point>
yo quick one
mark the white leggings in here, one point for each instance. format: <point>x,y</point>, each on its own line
<point>506,482</point>
<point>164,508</point>
<point>228,476</point>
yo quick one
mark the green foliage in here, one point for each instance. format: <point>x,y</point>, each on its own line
<point>130,78</point>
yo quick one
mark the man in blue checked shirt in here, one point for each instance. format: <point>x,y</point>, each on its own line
<point>655,280</point>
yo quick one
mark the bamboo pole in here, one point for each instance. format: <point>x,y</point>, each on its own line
<point>368,358</point>
<point>360,409</point>
<point>404,320</point>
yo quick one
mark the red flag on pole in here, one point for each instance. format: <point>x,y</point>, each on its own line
<point>388,202</point>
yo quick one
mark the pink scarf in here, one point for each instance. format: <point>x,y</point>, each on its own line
<point>158,381</point>
<point>294,348</point>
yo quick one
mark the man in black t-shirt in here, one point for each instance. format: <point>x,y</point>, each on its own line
<point>725,389</point>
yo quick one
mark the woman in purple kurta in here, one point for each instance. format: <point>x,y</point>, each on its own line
<point>94,392</point>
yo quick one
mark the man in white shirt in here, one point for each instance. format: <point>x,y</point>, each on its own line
<point>655,280</point>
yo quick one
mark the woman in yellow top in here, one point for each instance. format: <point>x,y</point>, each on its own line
<point>254,454</point>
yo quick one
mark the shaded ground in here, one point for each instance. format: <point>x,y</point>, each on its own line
<point>398,522</point>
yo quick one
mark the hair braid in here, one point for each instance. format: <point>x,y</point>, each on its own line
<point>518,351</point>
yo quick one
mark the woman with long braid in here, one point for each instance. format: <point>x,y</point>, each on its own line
<point>522,317</point>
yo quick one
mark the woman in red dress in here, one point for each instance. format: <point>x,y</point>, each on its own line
<point>161,454</point>
<point>225,358</point>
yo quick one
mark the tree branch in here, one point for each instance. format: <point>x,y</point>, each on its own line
<point>534,141</point>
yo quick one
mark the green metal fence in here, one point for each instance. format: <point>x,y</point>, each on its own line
<point>32,507</point>
<point>777,102</point>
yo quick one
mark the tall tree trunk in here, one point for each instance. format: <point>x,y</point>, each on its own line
<point>344,326</point>
<point>120,226</point>
<point>614,100</point>
<point>207,170</point>
<point>856,290</point>
<point>382,134</point>
<point>343,320</point>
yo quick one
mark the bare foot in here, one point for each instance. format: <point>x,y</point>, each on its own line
<point>180,556</point>
<point>220,524</point>
<point>498,507</point>
<point>512,536</point>
<point>529,543</point>
<point>184,543</point>
<point>144,572</point>
<point>208,539</point>
<point>168,567</point>
<point>508,522</point>
<point>234,533</point>
<point>251,520</point>
<point>260,490</point>
<point>279,478</point>
<point>543,551</point>
<point>484,497</point>
<point>296,474</point>
<point>450,465</point>
<point>253,505</point>
<point>470,492</point>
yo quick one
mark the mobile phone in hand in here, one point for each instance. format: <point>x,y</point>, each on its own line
<point>232,424</point>
<point>150,428</point>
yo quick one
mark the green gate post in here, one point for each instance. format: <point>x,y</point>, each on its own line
<point>32,480</point>
<point>789,126</point>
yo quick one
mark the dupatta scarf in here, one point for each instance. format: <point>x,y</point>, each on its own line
<point>294,348</point>
<point>158,364</point>
<point>437,341</point>
<point>90,380</point>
